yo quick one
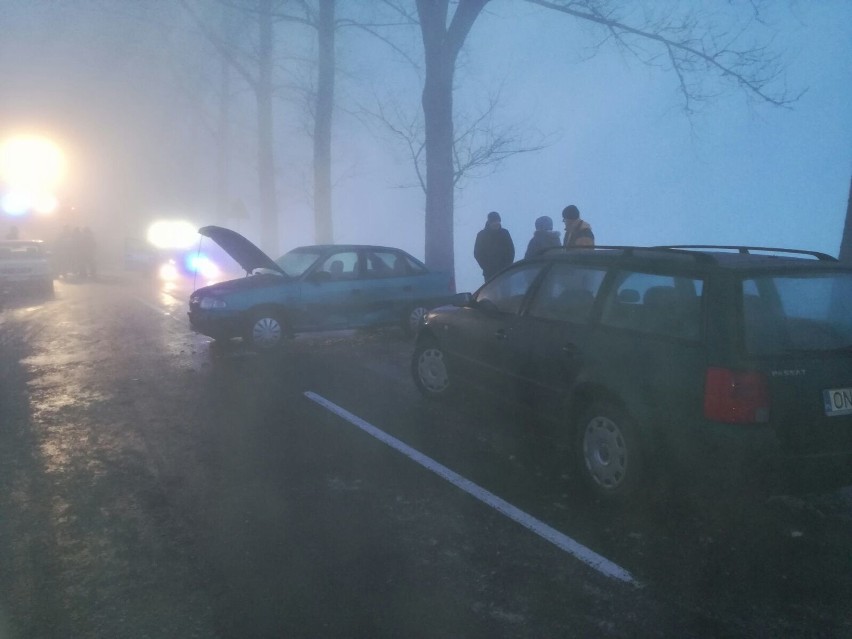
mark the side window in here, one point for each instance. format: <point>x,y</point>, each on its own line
<point>414,267</point>
<point>341,266</point>
<point>379,264</point>
<point>506,292</point>
<point>567,293</point>
<point>657,304</point>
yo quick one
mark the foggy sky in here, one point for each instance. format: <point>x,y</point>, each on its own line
<point>131,97</point>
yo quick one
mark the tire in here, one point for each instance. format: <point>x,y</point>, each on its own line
<point>430,371</point>
<point>265,331</point>
<point>413,320</point>
<point>609,456</point>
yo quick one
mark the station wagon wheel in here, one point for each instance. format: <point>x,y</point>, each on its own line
<point>609,458</point>
<point>265,331</point>
<point>413,320</point>
<point>430,371</point>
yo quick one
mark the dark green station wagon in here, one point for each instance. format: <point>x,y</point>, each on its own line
<point>721,364</point>
<point>314,288</point>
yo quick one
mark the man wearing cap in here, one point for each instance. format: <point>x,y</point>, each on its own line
<point>494,249</point>
<point>578,232</point>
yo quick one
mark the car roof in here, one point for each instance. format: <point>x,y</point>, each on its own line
<point>347,247</point>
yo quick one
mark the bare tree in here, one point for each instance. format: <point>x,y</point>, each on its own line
<point>258,74</point>
<point>691,46</point>
<point>442,42</point>
<point>481,142</point>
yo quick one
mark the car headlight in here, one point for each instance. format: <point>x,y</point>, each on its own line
<point>212,302</point>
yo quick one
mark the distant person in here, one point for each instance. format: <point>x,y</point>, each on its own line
<point>578,232</point>
<point>88,251</point>
<point>76,254</point>
<point>543,238</point>
<point>494,249</point>
<point>62,252</point>
<point>13,233</point>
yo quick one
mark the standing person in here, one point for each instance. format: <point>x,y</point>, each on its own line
<point>578,232</point>
<point>77,258</point>
<point>88,249</point>
<point>62,253</point>
<point>494,248</point>
<point>543,238</point>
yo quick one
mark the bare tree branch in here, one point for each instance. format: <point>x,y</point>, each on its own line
<point>221,47</point>
<point>752,68</point>
<point>479,148</point>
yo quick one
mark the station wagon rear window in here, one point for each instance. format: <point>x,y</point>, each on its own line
<point>806,313</point>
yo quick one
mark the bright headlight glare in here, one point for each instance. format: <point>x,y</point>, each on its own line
<point>169,271</point>
<point>212,302</point>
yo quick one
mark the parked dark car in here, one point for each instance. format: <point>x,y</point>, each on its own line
<point>314,288</point>
<point>25,265</point>
<point>720,364</point>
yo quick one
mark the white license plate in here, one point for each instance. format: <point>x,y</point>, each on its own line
<point>838,401</point>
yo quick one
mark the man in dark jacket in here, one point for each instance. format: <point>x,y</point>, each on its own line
<point>543,238</point>
<point>494,248</point>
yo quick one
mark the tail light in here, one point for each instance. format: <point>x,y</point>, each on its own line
<point>736,397</point>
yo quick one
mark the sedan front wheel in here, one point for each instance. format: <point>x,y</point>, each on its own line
<point>265,331</point>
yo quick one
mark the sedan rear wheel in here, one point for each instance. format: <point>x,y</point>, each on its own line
<point>430,371</point>
<point>265,331</point>
<point>412,322</point>
<point>610,461</point>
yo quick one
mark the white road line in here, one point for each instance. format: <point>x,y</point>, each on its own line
<point>574,548</point>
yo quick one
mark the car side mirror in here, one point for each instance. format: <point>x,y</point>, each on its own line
<point>462,299</point>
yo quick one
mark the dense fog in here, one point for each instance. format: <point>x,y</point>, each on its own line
<point>154,107</point>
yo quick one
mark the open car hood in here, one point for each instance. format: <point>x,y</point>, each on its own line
<point>246,254</point>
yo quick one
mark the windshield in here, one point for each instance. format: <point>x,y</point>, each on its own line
<point>789,313</point>
<point>296,262</point>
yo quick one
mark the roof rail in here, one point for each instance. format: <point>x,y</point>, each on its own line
<point>746,250</point>
<point>631,250</point>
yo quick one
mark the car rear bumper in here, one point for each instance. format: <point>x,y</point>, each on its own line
<point>736,457</point>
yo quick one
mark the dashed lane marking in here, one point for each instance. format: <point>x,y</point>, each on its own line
<point>558,539</point>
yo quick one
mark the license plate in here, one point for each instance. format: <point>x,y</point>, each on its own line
<point>838,401</point>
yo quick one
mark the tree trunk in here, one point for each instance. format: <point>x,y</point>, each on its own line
<point>223,144</point>
<point>441,45</point>
<point>846,240</point>
<point>323,228</point>
<point>438,117</point>
<point>265,131</point>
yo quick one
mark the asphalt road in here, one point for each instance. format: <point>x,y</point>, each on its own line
<point>155,485</point>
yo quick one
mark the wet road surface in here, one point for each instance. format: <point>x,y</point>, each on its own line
<point>155,485</point>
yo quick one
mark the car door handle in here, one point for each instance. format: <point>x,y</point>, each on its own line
<point>356,291</point>
<point>407,289</point>
<point>569,349</point>
<point>500,334</point>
